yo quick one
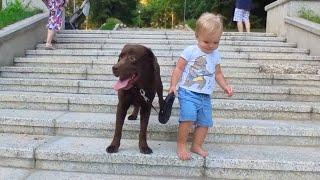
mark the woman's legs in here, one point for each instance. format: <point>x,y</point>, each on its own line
<point>50,36</point>
<point>183,133</point>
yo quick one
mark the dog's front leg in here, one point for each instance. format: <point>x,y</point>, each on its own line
<point>120,116</point>
<point>144,121</point>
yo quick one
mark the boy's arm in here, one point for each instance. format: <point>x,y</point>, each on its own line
<point>222,82</point>
<point>176,74</point>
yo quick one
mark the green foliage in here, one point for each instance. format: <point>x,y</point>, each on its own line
<point>110,23</point>
<point>309,15</point>
<point>14,12</point>
<point>100,10</point>
<point>157,13</point>
<point>191,23</point>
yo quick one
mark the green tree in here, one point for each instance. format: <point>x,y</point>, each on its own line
<point>100,10</point>
<point>158,12</point>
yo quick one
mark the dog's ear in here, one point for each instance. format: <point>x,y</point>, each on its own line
<point>154,60</point>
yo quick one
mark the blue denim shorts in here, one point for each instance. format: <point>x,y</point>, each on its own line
<point>195,107</point>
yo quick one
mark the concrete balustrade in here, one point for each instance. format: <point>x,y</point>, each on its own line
<point>31,3</point>
<point>15,39</point>
<point>282,19</point>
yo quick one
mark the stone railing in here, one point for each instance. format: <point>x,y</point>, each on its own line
<point>282,19</point>
<point>25,34</point>
<point>32,3</point>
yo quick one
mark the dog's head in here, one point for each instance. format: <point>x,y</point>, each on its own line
<point>135,61</point>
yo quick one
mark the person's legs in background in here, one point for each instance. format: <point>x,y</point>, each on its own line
<point>50,36</point>
<point>247,25</point>
<point>246,20</point>
<point>241,16</point>
<point>240,26</point>
<point>237,17</point>
<point>54,24</point>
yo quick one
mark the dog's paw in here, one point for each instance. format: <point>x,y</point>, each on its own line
<point>145,150</point>
<point>132,117</point>
<point>112,149</point>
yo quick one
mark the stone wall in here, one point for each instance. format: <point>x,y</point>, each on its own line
<point>32,3</point>
<point>15,39</point>
<point>282,19</point>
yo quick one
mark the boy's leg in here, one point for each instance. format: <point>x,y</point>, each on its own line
<point>247,24</point>
<point>237,17</point>
<point>183,132</point>
<point>240,26</point>
<point>199,136</point>
<point>246,20</point>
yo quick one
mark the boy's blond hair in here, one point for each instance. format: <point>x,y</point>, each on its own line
<point>209,22</point>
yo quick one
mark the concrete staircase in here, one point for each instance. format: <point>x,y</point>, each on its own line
<point>57,111</point>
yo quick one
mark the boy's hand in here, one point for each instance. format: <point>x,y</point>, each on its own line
<point>173,89</point>
<point>229,91</point>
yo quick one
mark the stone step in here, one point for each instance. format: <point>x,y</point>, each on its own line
<point>165,65</point>
<point>224,108</point>
<point>157,33</point>
<point>37,174</point>
<point>227,131</point>
<point>163,53</point>
<point>96,73</point>
<point>76,61</point>
<point>244,92</point>
<point>79,61</point>
<point>166,32</point>
<point>82,154</point>
<point>175,42</point>
<point>166,68</point>
<point>166,37</point>
<point>227,48</point>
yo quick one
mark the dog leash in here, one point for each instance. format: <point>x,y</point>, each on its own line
<point>146,99</point>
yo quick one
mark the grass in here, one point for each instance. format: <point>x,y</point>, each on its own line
<point>15,12</point>
<point>309,15</point>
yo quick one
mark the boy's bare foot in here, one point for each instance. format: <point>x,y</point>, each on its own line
<point>200,151</point>
<point>182,152</point>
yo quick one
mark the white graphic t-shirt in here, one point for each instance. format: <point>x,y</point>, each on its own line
<point>199,73</point>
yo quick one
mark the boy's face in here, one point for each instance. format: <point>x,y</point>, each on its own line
<point>208,41</point>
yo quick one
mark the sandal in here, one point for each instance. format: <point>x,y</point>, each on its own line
<point>49,47</point>
<point>53,41</point>
<point>165,112</point>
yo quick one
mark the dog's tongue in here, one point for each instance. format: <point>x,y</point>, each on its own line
<point>121,84</point>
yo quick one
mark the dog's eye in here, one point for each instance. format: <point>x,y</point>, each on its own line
<point>132,59</point>
<point>120,57</point>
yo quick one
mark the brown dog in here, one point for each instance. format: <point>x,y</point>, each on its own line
<point>139,81</point>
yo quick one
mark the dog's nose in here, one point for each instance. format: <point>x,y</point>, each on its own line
<point>115,70</point>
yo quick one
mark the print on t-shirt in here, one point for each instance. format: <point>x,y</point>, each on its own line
<point>197,72</point>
